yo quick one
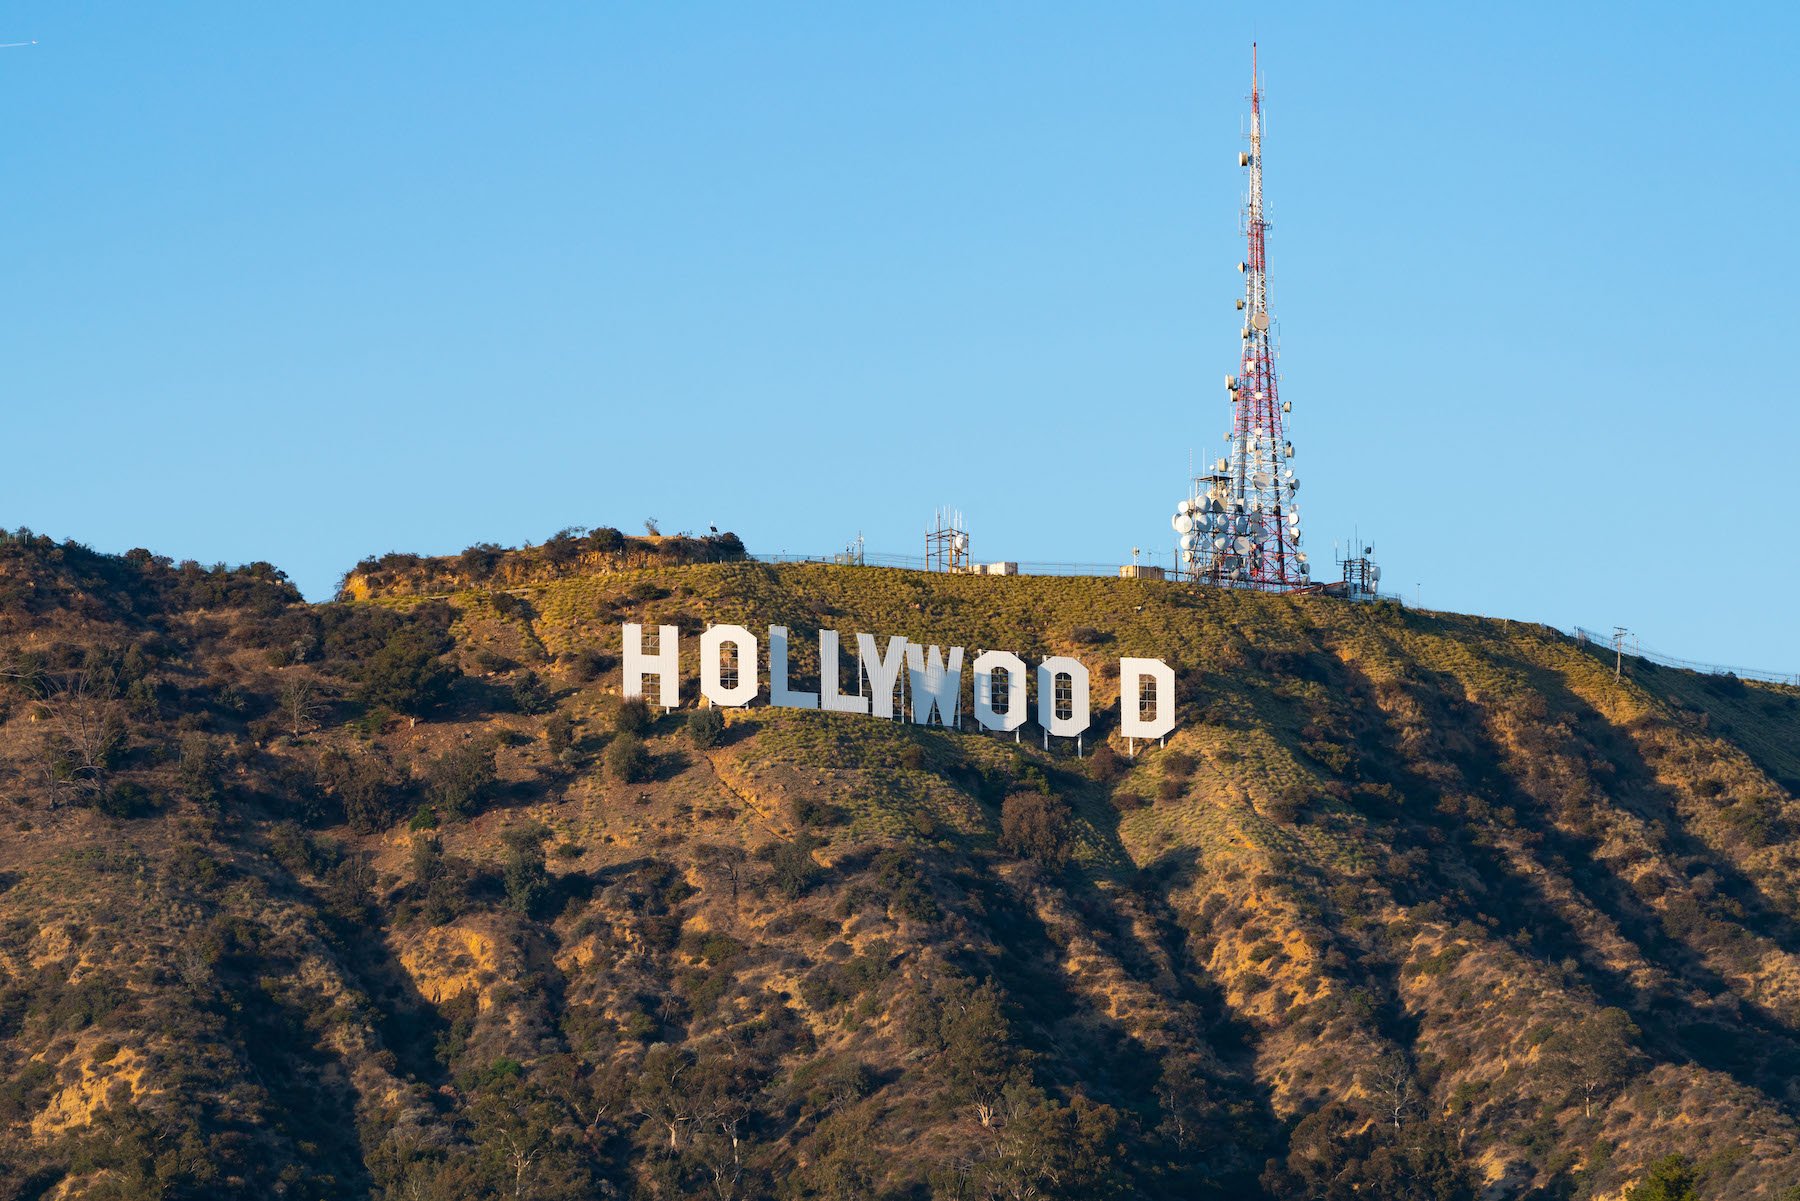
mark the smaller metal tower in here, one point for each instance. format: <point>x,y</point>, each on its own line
<point>947,542</point>
<point>1361,574</point>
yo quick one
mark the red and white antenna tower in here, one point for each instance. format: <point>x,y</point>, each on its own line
<point>1242,523</point>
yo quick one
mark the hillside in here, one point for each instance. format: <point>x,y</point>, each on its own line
<point>394,898</point>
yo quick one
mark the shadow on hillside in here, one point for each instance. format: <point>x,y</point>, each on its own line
<point>1738,1039</point>
<point>1080,1046</point>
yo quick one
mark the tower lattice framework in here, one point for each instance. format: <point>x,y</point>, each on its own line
<point>1242,526</point>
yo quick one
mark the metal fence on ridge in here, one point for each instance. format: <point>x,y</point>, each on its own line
<point>1600,641</point>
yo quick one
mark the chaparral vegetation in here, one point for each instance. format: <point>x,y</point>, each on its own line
<point>396,897</point>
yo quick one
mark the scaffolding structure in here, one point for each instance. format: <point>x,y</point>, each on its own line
<point>947,542</point>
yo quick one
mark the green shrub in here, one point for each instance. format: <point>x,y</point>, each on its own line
<point>705,727</point>
<point>522,869</point>
<point>626,759</point>
<point>530,695</point>
<point>1671,1178</point>
<point>407,674</point>
<point>1036,825</point>
<point>461,781</point>
<point>795,871</point>
<point>633,716</point>
<point>559,733</point>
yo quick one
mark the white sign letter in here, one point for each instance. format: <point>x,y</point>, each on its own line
<point>665,664</point>
<point>712,657</point>
<point>883,671</point>
<point>778,675</point>
<point>1077,720</point>
<point>935,683</point>
<point>829,695</point>
<point>1133,674</point>
<point>986,664</point>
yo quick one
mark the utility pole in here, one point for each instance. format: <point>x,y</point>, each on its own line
<point>1619,633</point>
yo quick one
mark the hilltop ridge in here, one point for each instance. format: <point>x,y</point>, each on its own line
<point>395,896</point>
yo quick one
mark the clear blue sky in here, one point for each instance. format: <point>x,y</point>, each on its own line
<point>310,282</point>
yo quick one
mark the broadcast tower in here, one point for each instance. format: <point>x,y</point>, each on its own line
<point>1240,526</point>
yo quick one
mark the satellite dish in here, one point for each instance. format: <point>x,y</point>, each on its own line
<point>1187,542</point>
<point>1175,522</point>
<point>1260,321</point>
<point>1183,523</point>
<point>1220,542</point>
<point>1243,545</point>
<point>962,542</point>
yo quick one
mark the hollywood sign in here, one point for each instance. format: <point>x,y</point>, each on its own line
<point>999,681</point>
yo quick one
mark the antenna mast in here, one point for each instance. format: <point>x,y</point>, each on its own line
<point>1262,481</point>
<point>1240,526</point>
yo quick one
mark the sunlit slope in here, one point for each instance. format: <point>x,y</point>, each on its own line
<point>1453,833</point>
<point>394,898</point>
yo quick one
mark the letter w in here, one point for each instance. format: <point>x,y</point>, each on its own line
<point>935,683</point>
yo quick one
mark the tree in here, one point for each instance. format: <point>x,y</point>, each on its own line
<point>1036,825</point>
<point>965,1024</point>
<point>1336,1154</point>
<point>431,880</point>
<point>362,783</point>
<point>1389,1082</point>
<point>559,734</point>
<point>407,673</point>
<point>1671,1178</point>
<point>626,759</point>
<point>723,1090</point>
<point>725,861</point>
<point>525,1139</point>
<point>299,702</point>
<point>522,870</point>
<point>460,781</point>
<point>84,727</point>
<point>1185,1098</point>
<point>197,767</point>
<point>1598,1054</point>
<point>1039,1147</point>
<point>530,695</point>
<point>663,1094</point>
